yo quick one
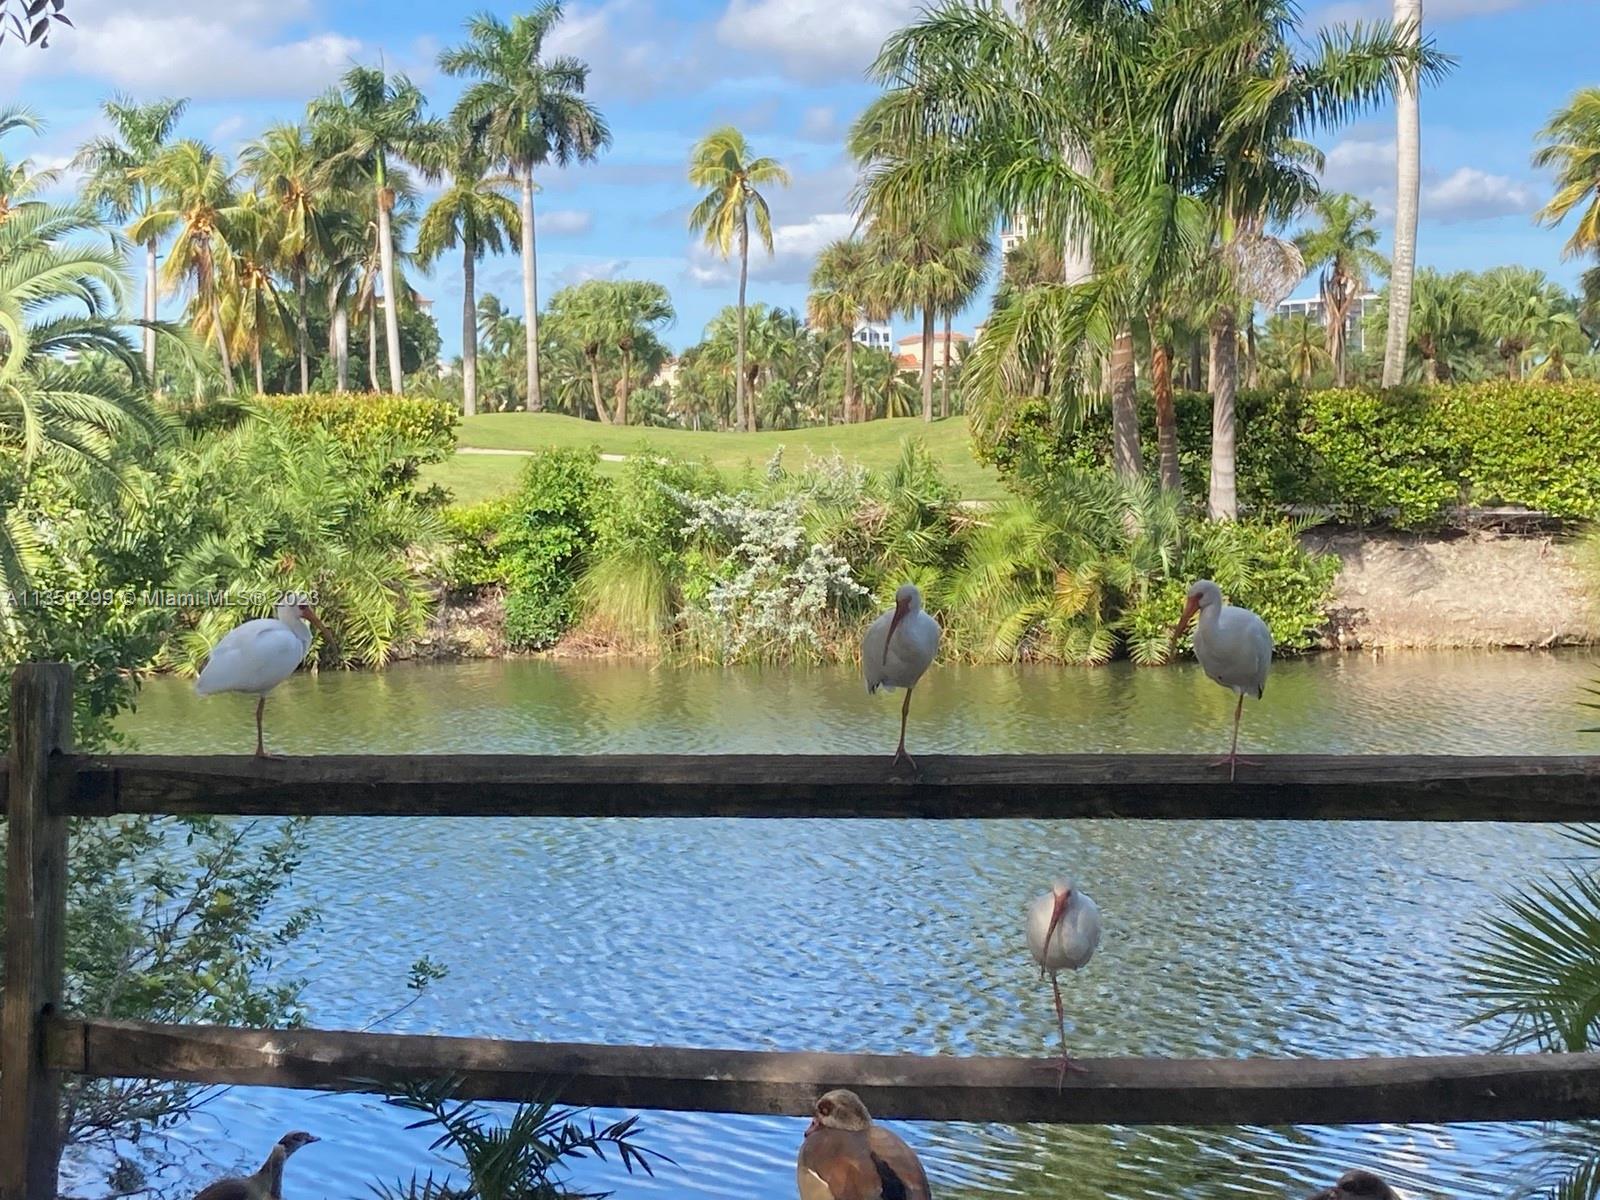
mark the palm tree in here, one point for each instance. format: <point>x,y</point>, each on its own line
<point>1573,149</point>
<point>117,166</point>
<point>287,167</point>
<point>475,214</point>
<point>639,309</point>
<point>966,271</point>
<point>1519,308</point>
<point>61,286</point>
<point>1408,184</point>
<point>20,180</point>
<point>1297,346</point>
<point>192,198</point>
<point>254,312</point>
<point>362,129</point>
<point>840,294</point>
<point>1443,320</point>
<point>1343,243</point>
<point>1234,84</point>
<point>722,164</point>
<point>532,113</point>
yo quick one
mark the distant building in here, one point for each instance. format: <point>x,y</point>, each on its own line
<point>909,357</point>
<point>1012,232</point>
<point>1313,308</point>
<point>877,334</point>
<point>667,376</point>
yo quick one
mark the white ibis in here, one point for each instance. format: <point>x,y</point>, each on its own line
<point>1063,931</point>
<point>1234,647</point>
<point>1358,1185</point>
<point>846,1157</point>
<point>897,649</point>
<point>259,655</point>
<point>265,1184</point>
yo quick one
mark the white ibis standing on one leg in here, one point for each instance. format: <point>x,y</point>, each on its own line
<point>259,655</point>
<point>847,1157</point>
<point>897,649</point>
<point>1234,647</point>
<point>1063,931</point>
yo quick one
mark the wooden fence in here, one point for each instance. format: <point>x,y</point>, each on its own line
<point>46,784</point>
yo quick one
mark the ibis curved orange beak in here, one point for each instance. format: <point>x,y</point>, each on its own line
<point>316,621</point>
<point>899,612</point>
<point>1190,607</point>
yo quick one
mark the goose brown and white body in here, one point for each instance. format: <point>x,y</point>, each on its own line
<point>845,1156</point>
<point>897,651</point>
<point>1358,1185</point>
<point>265,1184</point>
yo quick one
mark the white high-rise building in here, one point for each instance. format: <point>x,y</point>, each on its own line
<point>1313,308</point>
<point>877,334</point>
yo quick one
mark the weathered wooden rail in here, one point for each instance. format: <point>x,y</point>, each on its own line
<point>48,784</point>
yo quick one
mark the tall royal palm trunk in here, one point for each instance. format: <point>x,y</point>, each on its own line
<point>340,333</point>
<point>1126,456</point>
<point>944,379</point>
<point>624,384</point>
<point>1223,502</point>
<point>594,380</point>
<point>530,291</point>
<point>1196,381</point>
<point>1166,414</point>
<point>741,396</point>
<point>391,295</point>
<point>927,363</point>
<point>1408,176</point>
<point>151,290</point>
<point>469,324</point>
<point>849,377</point>
<point>255,359</point>
<point>302,329</point>
<point>372,345</point>
<point>222,341</point>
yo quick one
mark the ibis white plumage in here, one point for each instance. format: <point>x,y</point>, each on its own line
<point>1234,647</point>
<point>259,655</point>
<point>1063,932</point>
<point>897,650</point>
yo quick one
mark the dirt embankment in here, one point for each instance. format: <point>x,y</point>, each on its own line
<point>1456,590</point>
<point>1395,591</point>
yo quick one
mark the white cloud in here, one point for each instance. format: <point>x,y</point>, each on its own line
<point>1468,194</point>
<point>196,48</point>
<point>565,222</point>
<point>794,248</point>
<point>1350,11</point>
<point>814,40</point>
<point>819,123</point>
<point>633,50</point>
<point>1366,167</point>
<point>583,271</point>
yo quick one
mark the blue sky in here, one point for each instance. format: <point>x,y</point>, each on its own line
<point>790,74</point>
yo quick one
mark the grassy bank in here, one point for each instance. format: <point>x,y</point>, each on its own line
<point>875,445</point>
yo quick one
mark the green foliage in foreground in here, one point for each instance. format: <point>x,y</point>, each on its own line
<point>1404,457</point>
<point>528,1157</point>
<point>789,565</point>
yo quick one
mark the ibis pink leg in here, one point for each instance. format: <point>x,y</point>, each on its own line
<point>261,707</point>
<point>900,755</point>
<point>1233,760</point>
<point>1061,1024</point>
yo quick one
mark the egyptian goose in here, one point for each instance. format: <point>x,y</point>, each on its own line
<point>1358,1185</point>
<point>265,1184</point>
<point>846,1157</point>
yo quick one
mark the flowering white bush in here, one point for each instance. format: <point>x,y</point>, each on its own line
<point>773,588</point>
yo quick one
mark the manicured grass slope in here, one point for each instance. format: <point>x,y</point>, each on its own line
<point>875,445</point>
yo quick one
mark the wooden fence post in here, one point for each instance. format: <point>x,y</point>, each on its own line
<point>35,944</point>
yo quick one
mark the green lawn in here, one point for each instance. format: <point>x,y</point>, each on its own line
<point>875,445</point>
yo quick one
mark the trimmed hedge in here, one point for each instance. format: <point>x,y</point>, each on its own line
<point>1405,457</point>
<point>358,419</point>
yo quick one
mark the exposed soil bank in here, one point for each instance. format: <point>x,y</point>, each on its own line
<point>1456,590</point>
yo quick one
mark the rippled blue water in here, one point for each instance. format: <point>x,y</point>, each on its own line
<point>1227,939</point>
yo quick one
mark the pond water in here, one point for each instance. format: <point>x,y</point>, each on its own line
<point>1221,939</point>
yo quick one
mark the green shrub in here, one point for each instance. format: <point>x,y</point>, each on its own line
<point>1535,445</point>
<point>475,557</point>
<point>1392,455</point>
<point>545,540</point>
<point>359,420</point>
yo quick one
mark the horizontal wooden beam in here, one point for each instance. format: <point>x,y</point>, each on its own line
<point>1526,1087</point>
<point>1170,786</point>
